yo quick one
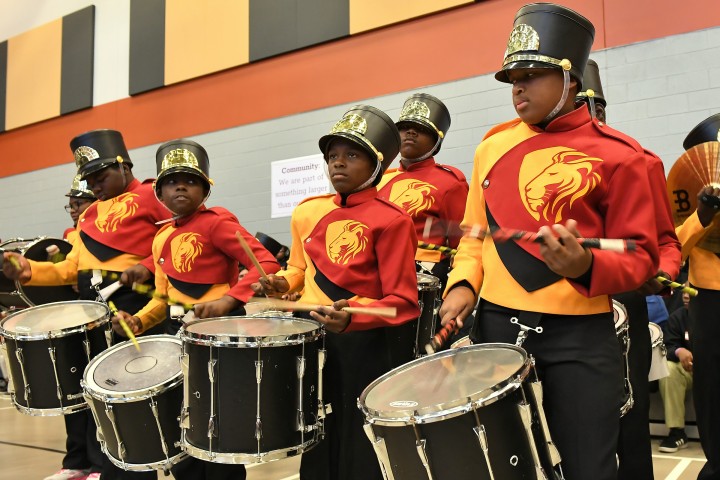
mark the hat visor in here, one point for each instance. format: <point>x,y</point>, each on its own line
<point>79,194</point>
<point>181,169</point>
<point>326,140</point>
<point>501,76</point>
<point>94,166</point>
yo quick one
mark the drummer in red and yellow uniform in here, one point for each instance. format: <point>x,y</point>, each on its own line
<point>196,261</point>
<point>79,199</point>
<point>114,235</point>
<point>351,249</point>
<point>557,171</point>
<point>433,194</point>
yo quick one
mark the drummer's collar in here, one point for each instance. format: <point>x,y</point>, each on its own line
<point>354,199</point>
<point>417,165</point>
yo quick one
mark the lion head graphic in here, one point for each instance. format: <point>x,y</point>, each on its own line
<point>570,175</point>
<point>345,239</point>
<point>185,248</point>
<point>111,214</point>
<point>413,196</point>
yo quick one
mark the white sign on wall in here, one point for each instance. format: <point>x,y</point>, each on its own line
<point>293,180</point>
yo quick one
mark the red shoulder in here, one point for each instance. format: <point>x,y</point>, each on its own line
<point>453,171</point>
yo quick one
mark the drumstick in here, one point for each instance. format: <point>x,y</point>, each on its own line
<point>252,256</point>
<point>439,248</point>
<point>388,312</point>
<point>669,283</point>
<point>441,337</point>
<point>151,292</point>
<point>124,325</point>
<point>505,235</point>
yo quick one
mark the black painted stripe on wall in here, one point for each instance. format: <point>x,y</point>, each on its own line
<point>147,45</point>
<point>280,26</point>
<point>76,78</point>
<point>3,82</point>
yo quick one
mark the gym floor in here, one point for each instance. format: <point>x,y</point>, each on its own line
<point>33,447</point>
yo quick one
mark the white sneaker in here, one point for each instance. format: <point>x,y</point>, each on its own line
<point>68,474</point>
<point>93,476</point>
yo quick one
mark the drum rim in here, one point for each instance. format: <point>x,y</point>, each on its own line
<point>144,467</point>
<point>129,396</point>
<point>434,283</point>
<point>659,340</point>
<point>51,334</point>
<point>245,458</point>
<point>237,341</point>
<point>462,339</point>
<point>453,408</point>
<point>48,412</point>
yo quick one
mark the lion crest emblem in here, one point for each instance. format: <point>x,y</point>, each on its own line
<point>550,193</point>
<point>112,212</point>
<point>184,249</point>
<point>344,240</point>
<point>413,196</point>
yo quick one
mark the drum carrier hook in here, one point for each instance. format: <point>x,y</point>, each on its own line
<point>527,321</point>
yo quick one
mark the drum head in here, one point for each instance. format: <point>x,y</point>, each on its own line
<point>54,319</point>
<point>619,315</point>
<point>435,385</point>
<point>249,330</point>
<point>656,334</point>
<point>122,371</point>
<point>427,282</point>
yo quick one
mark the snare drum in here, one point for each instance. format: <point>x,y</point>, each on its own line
<point>253,388</point>
<point>622,326</point>
<point>136,397</point>
<point>48,348</point>
<point>455,415</point>
<point>658,365</point>
<point>407,341</point>
<point>15,295</point>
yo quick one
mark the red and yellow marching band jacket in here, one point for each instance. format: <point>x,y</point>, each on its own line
<point>196,260</point>
<point>704,264</point>
<point>114,235</point>
<point>524,178</point>
<point>361,250</point>
<point>668,243</point>
<point>428,190</point>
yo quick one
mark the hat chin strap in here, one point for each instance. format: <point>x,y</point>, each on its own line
<point>423,157</point>
<point>175,216</point>
<point>369,181</point>
<point>563,98</point>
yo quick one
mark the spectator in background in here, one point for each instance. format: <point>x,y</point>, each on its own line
<point>674,387</point>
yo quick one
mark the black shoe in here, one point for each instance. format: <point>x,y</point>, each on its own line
<point>675,441</point>
<point>3,385</point>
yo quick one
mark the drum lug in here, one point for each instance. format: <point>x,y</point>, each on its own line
<point>108,334</point>
<point>537,397</point>
<point>381,452</point>
<point>211,433</point>
<point>322,413</point>
<point>526,417</point>
<point>422,453</point>
<point>10,383</point>
<point>121,446</point>
<point>300,365</point>
<point>86,346</point>
<point>20,359</point>
<point>58,390</point>
<point>185,368</point>
<point>258,419</point>
<point>482,438</point>
<point>163,443</point>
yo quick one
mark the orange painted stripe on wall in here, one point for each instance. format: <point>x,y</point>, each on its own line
<point>466,42</point>
<point>33,75</point>
<point>369,14</point>
<point>205,37</point>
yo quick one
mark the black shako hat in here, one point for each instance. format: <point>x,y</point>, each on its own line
<point>428,111</point>
<point>370,128</point>
<point>270,244</point>
<point>182,155</point>
<point>79,189</point>
<point>97,149</point>
<point>546,35</point>
<point>706,131</point>
<point>591,82</point>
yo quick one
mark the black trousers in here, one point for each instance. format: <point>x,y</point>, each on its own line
<point>82,448</point>
<point>195,469</point>
<point>354,360</point>
<point>634,447</point>
<point>578,360</point>
<point>704,337</point>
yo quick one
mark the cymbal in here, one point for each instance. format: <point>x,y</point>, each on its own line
<point>697,168</point>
